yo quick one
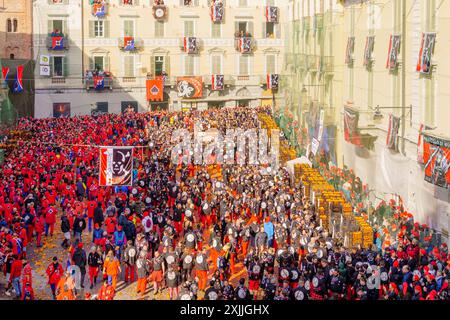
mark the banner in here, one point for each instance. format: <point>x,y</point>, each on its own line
<point>368,50</point>
<point>217,12</point>
<point>217,82</point>
<point>5,72</point>
<point>116,166</point>
<point>18,84</point>
<point>44,70</point>
<point>245,44</point>
<point>351,131</point>
<point>350,50</point>
<point>57,43</point>
<point>99,82</point>
<point>392,135</point>
<point>394,50</point>
<point>155,89</point>
<point>99,10</point>
<point>436,156</point>
<point>272,81</point>
<point>128,43</point>
<point>190,87</point>
<point>271,14</point>
<point>419,145</point>
<point>426,51</point>
<point>44,60</point>
<point>190,45</point>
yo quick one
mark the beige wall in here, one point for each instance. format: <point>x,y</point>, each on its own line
<point>18,43</point>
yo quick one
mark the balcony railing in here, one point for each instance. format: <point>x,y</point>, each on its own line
<point>327,64</point>
<point>57,42</point>
<point>107,84</point>
<point>58,80</point>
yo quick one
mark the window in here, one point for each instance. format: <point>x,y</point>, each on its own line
<point>159,65</point>
<point>189,65</point>
<point>129,66</point>
<point>243,3</point>
<point>271,63</point>
<point>216,64</point>
<point>57,26</point>
<point>15,24</point>
<point>127,105</point>
<point>270,3</point>
<point>58,66</point>
<point>188,28</point>
<point>99,29</point>
<point>129,2</point>
<point>270,30</point>
<point>216,30</point>
<point>159,29</point>
<point>243,28</point>
<point>8,25</point>
<point>128,28</point>
<point>244,65</point>
<point>99,63</point>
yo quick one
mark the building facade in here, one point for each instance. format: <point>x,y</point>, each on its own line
<point>16,29</point>
<point>95,36</point>
<point>388,68</point>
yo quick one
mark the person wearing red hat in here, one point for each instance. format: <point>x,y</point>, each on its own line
<point>418,293</point>
<point>54,272</point>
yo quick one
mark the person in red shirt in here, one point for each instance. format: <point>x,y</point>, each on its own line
<point>50,220</point>
<point>24,237</point>
<point>54,272</point>
<point>27,274</point>
<point>39,226</point>
<point>91,205</point>
<point>106,292</point>
<point>16,272</point>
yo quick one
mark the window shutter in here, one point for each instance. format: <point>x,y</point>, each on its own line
<point>167,64</point>
<point>152,65</point>
<point>65,67</point>
<point>250,28</point>
<point>106,28</point>
<point>106,67</point>
<point>137,71</point>
<point>51,66</point>
<point>65,29</point>
<point>91,63</point>
<point>91,29</point>
<point>50,26</point>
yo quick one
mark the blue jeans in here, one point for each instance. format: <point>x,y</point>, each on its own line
<point>90,224</point>
<point>16,285</point>
<point>47,226</point>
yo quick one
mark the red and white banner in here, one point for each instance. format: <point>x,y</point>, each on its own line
<point>217,82</point>
<point>272,81</point>
<point>116,166</point>
<point>271,14</point>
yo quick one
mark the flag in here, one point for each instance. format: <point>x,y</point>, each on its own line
<point>426,52</point>
<point>436,156</point>
<point>245,44</point>
<point>368,50</point>
<point>272,81</point>
<point>190,44</point>
<point>217,82</point>
<point>271,14</point>
<point>392,135</point>
<point>155,89</point>
<point>419,145</point>
<point>18,84</point>
<point>57,43</point>
<point>128,43</point>
<point>394,48</point>
<point>350,50</point>
<point>5,72</point>
<point>217,12</point>
<point>351,132</point>
<point>116,166</point>
<point>99,10</point>
<point>99,82</point>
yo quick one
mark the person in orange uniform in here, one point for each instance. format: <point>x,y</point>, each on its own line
<point>106,292</point>
<point>111,268</point>
<point>64,292</point>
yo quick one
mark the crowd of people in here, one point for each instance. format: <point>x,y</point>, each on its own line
<point>218,232</point>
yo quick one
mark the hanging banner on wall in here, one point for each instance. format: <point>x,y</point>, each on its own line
<point>271,14</point>
<point>217,12</point>
<point>116,166</point>
<point>217,82</point>
<point>436,156</point>
<point>426,52</point>
<point>350,50</point>
<point>272,81</point>
<point>370,43</point>
<point>351,131</point>
<point>392,135</point>
<point>190,87</point>
<point>155,89</point>
<point>394,50</point>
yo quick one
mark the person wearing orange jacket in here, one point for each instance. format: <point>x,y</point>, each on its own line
<point>111,268</point>
<point>64,292</point>
<point>106,292</point>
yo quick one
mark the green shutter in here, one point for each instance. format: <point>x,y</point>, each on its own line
<point>65,67</point>
<point>51,66</point>
<point>106,28</point>
<point>91,29</point>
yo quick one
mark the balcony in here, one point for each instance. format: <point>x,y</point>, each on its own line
<point>313,63</point>
<point>89,82</point>
<point>58,80</point>
<point>130,44</point>
<point>159,10</point>
<point>245,45</point>
<point>190,45</point>
<point>57,42</point>
<point>99,10</point>
<point>228,80</point>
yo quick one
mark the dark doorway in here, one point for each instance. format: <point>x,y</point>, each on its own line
<point>125,105</point>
